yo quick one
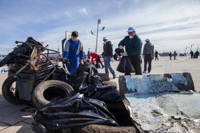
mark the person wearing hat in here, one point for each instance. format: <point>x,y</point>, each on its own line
<point>133,48</point>
<point>73,51</point>
<point>148,53</point>
<point>108,56</point>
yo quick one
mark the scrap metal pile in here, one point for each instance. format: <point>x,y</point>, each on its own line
<point>162,103</point>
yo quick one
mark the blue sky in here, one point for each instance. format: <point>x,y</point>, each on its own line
<point>169,24</point>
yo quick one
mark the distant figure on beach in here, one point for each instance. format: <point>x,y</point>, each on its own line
<point>175,54</point>
<point>170,55</point>
<point>156,55</point>
<point>192,54</point>
<point>148,53</point>
<point>196,54</point>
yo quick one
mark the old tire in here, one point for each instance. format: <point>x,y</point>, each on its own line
<point>47,90</point>
<point>110,83</point>
<point>94,128</point>
<point>84,68</point>
<point>104,76</point>
<point>7,93</point>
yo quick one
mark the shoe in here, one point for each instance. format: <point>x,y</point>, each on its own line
<point>102,67</point>
<point>144,71</point>
<point>114,76</point>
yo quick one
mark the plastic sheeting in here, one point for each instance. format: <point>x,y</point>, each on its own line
<point>71,112</point>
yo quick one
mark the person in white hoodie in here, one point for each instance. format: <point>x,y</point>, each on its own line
<point>148,53</point>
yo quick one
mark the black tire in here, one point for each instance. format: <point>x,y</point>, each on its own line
<point>84,68</point>
<point>104,76</point>
<point>110,83</point>
<point>47,90</point>
<point>7,93</point>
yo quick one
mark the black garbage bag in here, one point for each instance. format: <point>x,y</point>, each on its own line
<point>125,65</point>
<point>92,87</point>
<point>81,82</point>
<point>42,73</point>
<point>119,51</point>
<point>62,75</point>
<point>72,112</point>
<point>106,93</point>
<point>25,84</point>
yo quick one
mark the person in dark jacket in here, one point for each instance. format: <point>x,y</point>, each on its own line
<point>197,54</point>
<point>148,53</point>
<point>108,56</point>
<point>133,47</point>
<point>192,54</point>
<point>156,55</point>
<point>170,55</point>
<point>175,54</point>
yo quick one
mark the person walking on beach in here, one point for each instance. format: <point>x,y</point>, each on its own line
<point>156,55</point>
<point>170,55</point>
<point>108,56</point>
<point>192,54</point>
<point>175,54</point>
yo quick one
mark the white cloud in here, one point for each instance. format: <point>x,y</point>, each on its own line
<point>83,11</point>
<point>68,14</point>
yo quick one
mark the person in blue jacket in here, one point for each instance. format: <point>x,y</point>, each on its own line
<point>74,52</point>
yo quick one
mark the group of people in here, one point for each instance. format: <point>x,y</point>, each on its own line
<point>74,52</point>
<point>194,55</point>
<point>170,55</point>
<point>133,47</point>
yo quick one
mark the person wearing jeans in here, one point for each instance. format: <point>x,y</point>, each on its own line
<point>108,54</point>
<point>107,60</point>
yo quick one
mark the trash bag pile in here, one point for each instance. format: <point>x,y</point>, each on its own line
<point>87,106</point>
<point>92,102</point>
<point>74,111</point>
